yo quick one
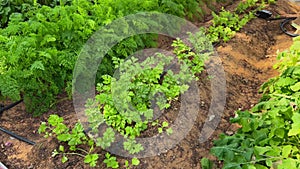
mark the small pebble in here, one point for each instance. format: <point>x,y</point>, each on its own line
<point>202,103</point>
<point>30,167</point>
<point>211,117</point>
<point>229,133</point>
<point>8,144</point>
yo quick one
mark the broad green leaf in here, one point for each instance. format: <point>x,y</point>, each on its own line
<point>296,87</point>
<point>232,165</point>
<point>91,159</point>
<point>288,164</point>
<point>64,137</point>
<point>258,166</point>
<point>269,162</point>
<point>275,151</point>
<point>295,130</point>
<point>160,130</point>
<point>165,124</point>
<point>206,163</point>
<point>246,123</point>
<point>286,150</point>
<point>169,131</point>
<point>261,150</point>
<point>64,159</point>
<point>251,167</point>
<point>42,128</point>
<point>135,161</point>
<point>126,163</point>
<point>61,148</point>
<point>282,82</point>
<point>54,120</point>
<point>280,132</point>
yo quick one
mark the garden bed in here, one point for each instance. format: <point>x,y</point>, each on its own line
<point>247,59</point>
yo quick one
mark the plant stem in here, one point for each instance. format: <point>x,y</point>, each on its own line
<point>78,154</point>
<point>83,150</point>
<point>281,95</point>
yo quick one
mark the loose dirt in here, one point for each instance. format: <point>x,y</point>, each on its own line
<point>247,60</point>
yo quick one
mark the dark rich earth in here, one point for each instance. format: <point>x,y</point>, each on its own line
<point>247,60</point>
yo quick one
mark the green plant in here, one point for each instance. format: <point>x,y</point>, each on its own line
<point>227,23</point>
<point>111,161</point>
<point>39,52</point>
<point>124,102</point>
<point>137,84</point>
<point>189,56</point>
<point>39,47</point>
<point>270,132</point>
<point>243,6</point>
<point>290,58</point>
<point>206,163</point>
<point>132,147</point>
<point>134,162</point>
<point>162,126</point>
<point>7,7</point>
<point>74,138</point>
<point>55,127</point>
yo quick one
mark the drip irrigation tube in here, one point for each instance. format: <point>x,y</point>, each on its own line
<point>267,15</point>
<point>17,136</point>
<point>282,27</point>
<point>4,108</point>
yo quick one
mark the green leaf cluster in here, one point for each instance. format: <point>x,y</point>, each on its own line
<point>206,163</point>
<point>243,6</point>
<point>111,161</point>
<point>270,132</point>
<point>126,102</point>
<point>74,138</point>
<point>226,23</point>
<point>137,85</point>
<point>56,127</point>
<point>39,44</point>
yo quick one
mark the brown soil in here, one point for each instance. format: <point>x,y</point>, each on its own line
<point>247,59</point>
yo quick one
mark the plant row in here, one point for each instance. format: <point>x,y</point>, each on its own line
<point>40,43</point>
<point>126,102</point>
<point>227,23</point>
<point>269,136</point>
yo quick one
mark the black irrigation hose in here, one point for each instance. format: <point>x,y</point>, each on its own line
<point>17,136</point>
<point>265,14</point>
<point>282,26</point>
<point>281,18</point>
<point>4,108</point>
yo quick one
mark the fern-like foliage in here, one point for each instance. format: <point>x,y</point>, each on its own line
<point>39,47</point>
<point>9,87</point>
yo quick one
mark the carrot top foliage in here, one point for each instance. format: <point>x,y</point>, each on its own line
<point>40,42</point>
